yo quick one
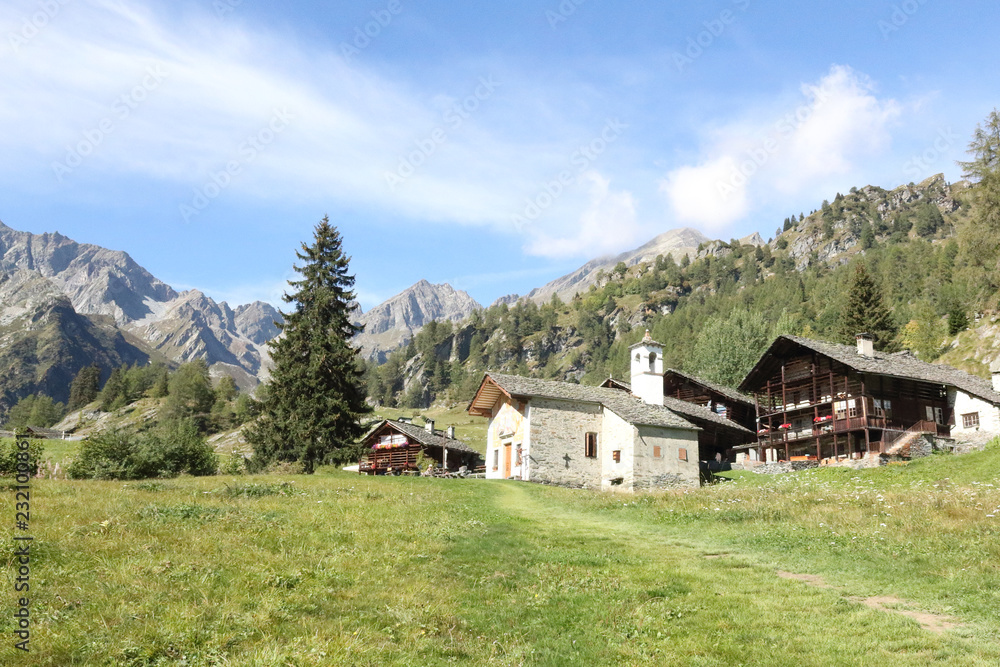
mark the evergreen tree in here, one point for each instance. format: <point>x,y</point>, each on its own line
<point>727,348</point>
<point>866,312</point>
<point>85,387</point>
<point>190,394</point>
<point>113,396</point>
<point>980,237</point>
<point>316,396</point>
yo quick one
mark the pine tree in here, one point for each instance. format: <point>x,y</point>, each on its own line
<point>113,396</point>
<point>85,387</point>
<point>316,396</point>
<point>980,237</point>
<point>866,312</point>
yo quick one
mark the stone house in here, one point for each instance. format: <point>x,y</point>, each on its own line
<point>599,437</point>
<point>826,402</point>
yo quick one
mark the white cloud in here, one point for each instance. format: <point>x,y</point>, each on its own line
<point>608,224</point>
<point>703,195</point>
<point>796,151</point>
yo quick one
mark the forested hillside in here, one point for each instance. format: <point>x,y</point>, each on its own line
<point>922,244</point>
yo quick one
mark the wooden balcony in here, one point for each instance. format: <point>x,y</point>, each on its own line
<point>841,426</point>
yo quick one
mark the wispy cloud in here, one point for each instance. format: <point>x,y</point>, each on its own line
<point>795,150</point>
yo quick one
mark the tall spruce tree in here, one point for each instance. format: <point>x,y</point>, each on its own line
<point>315,398</point>
<point>866,312</point>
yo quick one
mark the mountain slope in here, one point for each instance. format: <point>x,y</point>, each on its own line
<point>678,242</point>
<point>393,323</point>
<point>180,326</point>
<point>44,342</point>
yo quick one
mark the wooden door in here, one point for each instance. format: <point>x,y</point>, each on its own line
<point>506,460</point>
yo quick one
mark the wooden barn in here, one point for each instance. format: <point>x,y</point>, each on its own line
<point>395,446</point>
<point>818,400</point>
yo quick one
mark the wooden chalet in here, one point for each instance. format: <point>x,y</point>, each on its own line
<point>817,400</point>
<point>394,446</point>
<point>724,401</point>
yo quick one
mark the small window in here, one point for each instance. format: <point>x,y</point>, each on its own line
<point>970,420</point>
<point>887,407</point>
<point>617,456</point>
<point>852,409</point>
<point>590,445</point>
<point>496,459</point>
<point>840,408</point>
<point>682,454</point>
<point>939,416</point>
<point>930,413</point>
<point>657,452</point>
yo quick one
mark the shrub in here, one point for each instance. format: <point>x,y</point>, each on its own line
<point>173,448</point>
<point>9,452</point>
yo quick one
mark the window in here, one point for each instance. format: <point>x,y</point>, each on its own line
<point>617,456</point>
<point>496,459</point>
<point>883,408</point>
<point>970,420</point>
<point>590,445</point>
<point>682,454</point>
<point>657,452</point>
<point>840,408</point>
<point>852,408</point>
<point>935,415</point>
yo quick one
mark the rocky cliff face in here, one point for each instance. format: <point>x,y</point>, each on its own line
<point>392,324</point>
<point>678,242</point>
<point>179,326</point>
<point>44,341</point>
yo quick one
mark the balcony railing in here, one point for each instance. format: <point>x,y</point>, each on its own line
<point>838,426</point>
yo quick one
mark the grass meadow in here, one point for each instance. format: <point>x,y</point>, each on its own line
<point>895,566</point>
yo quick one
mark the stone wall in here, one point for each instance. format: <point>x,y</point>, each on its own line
<point>618,435</point>
<point>557,443</point>
<point>667,471</point>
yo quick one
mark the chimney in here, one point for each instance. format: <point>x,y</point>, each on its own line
<point>995,371</point>
<point>866,345</point>
<point>429,425</point>
<point>451,432</point>
<point>647,370</point>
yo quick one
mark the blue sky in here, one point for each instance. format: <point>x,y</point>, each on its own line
<point>494,146</point>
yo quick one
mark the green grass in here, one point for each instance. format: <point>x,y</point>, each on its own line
<point>340,569</point>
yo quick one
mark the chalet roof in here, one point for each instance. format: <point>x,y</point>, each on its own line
<point>728,392</point>
<point>422,436</point>
<point>900,365</point>
<point>695,411</point>
<point>626,406</point>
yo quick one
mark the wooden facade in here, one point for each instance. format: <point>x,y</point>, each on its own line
<point>722,401</point>
<point>811,406</point>
<point>396,447</point>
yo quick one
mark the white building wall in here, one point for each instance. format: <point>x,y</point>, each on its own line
<point>617,435</point>
<point>963,404</point>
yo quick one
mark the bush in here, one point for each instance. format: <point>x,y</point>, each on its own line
<point>173,448</point>
<point>9,452</point>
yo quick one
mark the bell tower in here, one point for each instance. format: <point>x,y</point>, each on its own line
<point>647,370</point>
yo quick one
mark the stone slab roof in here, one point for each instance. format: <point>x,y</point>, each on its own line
<point>422,436</point>
<point>626,406</point>
<point>901,365</point>
<point>728,392</point>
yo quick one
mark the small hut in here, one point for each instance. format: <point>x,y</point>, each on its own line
<point>394,446</point>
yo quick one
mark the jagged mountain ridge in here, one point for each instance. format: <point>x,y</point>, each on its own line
<point>678,242</point>
<point>393,323</point>
<point>44,341</point>
<point>178,326</point>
